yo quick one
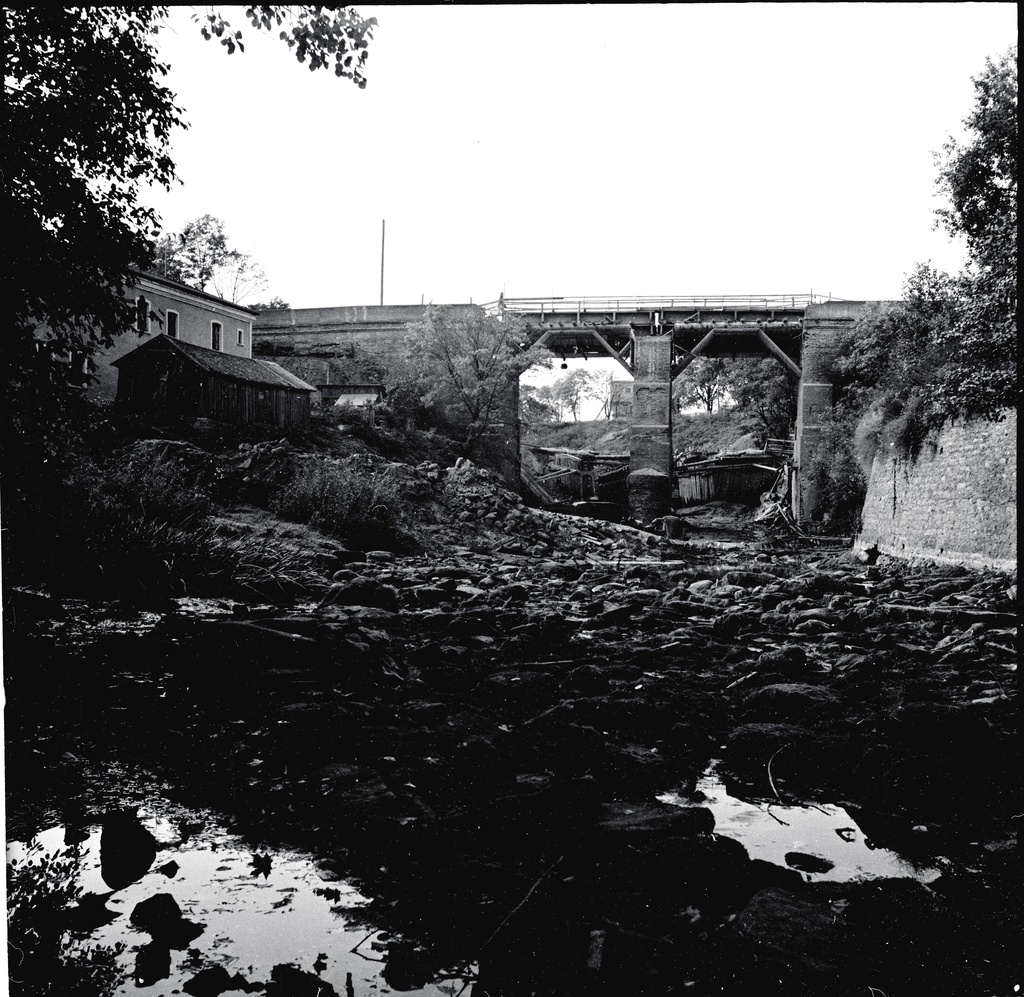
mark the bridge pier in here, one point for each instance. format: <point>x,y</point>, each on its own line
<point>649,484</point>
<point>824,326</point>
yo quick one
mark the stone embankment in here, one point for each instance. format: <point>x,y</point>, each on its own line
<point>955,503</point>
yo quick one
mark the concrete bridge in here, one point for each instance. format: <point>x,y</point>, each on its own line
<point>654,339</point>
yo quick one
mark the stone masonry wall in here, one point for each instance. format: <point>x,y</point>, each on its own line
<point>956,504</point>
<point>356,355</point>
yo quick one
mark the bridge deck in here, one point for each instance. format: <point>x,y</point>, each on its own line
<point>640,304</point>
<point>721,325</point>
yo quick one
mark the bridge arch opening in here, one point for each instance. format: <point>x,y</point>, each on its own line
<point>656,339</point>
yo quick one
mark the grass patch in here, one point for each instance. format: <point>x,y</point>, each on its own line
<point>363,511</point>
<point>711,432</point>
<point>137,527</point>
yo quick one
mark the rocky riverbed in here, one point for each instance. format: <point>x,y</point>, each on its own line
<point>521,744</point>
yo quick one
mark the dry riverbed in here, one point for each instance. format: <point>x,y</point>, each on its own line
<point>544,755</point>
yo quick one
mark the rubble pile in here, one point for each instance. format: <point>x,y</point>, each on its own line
<point>463,506</point>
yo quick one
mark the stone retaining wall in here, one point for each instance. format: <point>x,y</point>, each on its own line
<point>956,504</point>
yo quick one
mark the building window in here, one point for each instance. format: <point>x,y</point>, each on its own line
<point>141,314</point>
<point>172,324</point>
<point>241,337</point>
<point>215,335</point>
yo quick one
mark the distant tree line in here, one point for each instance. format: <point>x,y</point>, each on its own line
<point>758,386</point>
<point>566,395</point>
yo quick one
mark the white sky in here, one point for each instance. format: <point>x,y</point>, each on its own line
<point>607,150</point>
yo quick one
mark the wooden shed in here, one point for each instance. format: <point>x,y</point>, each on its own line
<point>169,377</point>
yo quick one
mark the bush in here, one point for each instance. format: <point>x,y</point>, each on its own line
<point>867,435</point>
<point>894,427</point>
<point>136,528</point>
<point>161,489</point>
<point>40,889</point>
<point>838,476</point>
<point>363,511</point>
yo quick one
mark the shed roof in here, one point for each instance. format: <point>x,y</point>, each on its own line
<point>224,364</point>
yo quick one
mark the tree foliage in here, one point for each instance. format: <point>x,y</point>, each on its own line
<point>536,404</point>
<point>461,368</point>
<point>571,390</point>
<point>947,350</point>
<point>764,389</point>
<point>979,374</point>
<point>894,349</point>
<point>980,178</point>
<point>704,383</point>
<point>760,387</point>
<point>318,34</point>
<point>200,256</point>
<point>88,126</point>
<point>89,121</point>
<point>275,304</point>
<point>192,255</point>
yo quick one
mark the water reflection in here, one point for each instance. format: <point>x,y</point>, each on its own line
<point>209,902</point>
<point>823,843</point>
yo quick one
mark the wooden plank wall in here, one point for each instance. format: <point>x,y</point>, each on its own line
<point>194,392</point>
<point>245,403</point>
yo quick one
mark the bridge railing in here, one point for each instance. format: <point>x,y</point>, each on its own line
<point>562,305</point>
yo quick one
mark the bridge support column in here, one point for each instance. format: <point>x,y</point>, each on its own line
<point>813,407</point>
<point>649,483</point>
<point>824,326</point>
<point>509,428</point>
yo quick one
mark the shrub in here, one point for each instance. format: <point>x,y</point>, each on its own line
<point>40,888</point>
<point>363,511</point>
<point>867,436</point>
<point>837,474</point>
<point>892,426</point>
<point>908,427</point>
<point>161,489</point>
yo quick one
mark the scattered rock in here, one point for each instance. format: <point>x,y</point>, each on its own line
<point>803,862</point>
<point>160,916</point>
<point>361,592</point>
<point>288,981</point>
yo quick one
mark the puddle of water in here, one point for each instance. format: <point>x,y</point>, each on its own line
<point>190,605</point>
<point>824,843</point>
<point>89,620</point>
<point>253,922</point>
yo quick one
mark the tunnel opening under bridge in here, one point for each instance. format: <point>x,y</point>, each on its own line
<point>656,340</point>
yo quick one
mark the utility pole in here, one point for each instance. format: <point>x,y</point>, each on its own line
<point>382,261</point>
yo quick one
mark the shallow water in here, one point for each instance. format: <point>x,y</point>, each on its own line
<point>807,838</point>
<point>253,922</point>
